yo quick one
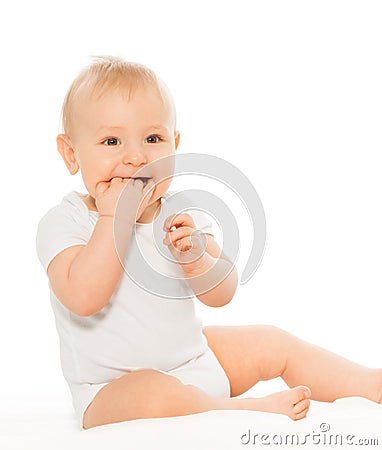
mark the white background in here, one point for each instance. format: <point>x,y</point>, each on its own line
<point>288,91</point>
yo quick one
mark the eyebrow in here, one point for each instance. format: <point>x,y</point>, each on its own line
<point>156,127</point>
<point>109,127</point>
<point>116,127</point>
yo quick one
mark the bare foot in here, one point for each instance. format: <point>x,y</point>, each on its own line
<point>293,403</point>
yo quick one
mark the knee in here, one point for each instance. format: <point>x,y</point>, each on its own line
<point>268,330</point>
<point>159,390</point>
<point>273,335</point>
<point>141,394</point>
<point>153,392</point>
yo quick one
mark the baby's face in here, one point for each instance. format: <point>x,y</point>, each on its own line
<point>115,136</point>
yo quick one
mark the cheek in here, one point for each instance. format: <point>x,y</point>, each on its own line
<point>162,168</point>
<point>161,188</point>
<point>97,167</point>
<point>94,171</point>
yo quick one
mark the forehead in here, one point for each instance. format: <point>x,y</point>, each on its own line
<point>139,104</point>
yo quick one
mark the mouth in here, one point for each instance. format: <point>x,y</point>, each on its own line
<point>143,179</point>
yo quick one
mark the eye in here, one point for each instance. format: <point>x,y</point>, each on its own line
<point>153,139</point>
<point>111,141</point>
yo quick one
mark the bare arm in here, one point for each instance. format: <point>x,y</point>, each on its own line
<point>93,274</point>
<point>210,274</point>
<point>217,277</point>
<point>85,277</point>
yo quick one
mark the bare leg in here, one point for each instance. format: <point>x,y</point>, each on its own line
<point>149,394</point>
<point>249,354</point>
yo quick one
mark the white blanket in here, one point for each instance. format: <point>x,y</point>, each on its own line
<point>45,421</point>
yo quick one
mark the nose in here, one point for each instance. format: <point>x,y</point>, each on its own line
<point>133,156</point>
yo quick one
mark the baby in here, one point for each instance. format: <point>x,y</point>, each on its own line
<point>126,352</point>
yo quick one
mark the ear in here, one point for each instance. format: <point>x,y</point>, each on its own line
<point>66,150</point>
<point>177,138</point>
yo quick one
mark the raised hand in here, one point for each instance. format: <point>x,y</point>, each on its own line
<point>185,242</point>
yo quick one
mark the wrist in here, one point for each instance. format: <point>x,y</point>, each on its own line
<point>200,266</point>
<point>117,218</point>
<point>106,215</point>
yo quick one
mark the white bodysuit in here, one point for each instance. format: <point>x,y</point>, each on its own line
<point>137,328</point>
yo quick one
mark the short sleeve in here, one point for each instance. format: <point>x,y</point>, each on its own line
<point>56,231</point>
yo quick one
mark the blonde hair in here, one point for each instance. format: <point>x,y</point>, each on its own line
<point>106,73</point>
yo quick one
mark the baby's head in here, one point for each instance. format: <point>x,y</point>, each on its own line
<point>107,74</point>
<point>117,117</point>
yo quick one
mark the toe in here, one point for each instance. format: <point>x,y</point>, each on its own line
<point>301,415</point>
<point>302,392</point>
<point>301,406</point>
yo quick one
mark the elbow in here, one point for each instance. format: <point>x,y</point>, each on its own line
<point>220,302</point>
<point>225,302</point>
<point>88,308</point>
<point>229,290</point>
<point>83,312</point>
<point>222,293</point>
<point>84,305</point>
